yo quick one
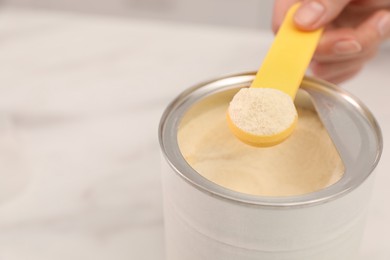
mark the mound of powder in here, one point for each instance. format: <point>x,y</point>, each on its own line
<point>262,111</point>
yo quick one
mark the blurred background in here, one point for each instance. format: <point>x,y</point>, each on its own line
<point>238,13</point>
<point>83,84</point>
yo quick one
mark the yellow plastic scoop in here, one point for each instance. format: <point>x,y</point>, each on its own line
<point>264,114</point>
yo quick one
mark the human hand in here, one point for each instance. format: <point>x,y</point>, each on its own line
<point>354,30</point>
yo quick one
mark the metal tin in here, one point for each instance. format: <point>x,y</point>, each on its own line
<point>207,221</point>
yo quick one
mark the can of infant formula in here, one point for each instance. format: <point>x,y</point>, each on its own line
<point>304,199</point>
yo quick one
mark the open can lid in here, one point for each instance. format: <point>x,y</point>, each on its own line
<point>351,126</point>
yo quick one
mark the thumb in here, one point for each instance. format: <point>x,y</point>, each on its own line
<point>313,14</point>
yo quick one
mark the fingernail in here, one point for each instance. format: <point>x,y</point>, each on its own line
<point>347,47</point>
<point>309,14</point>
<point>384,25</point>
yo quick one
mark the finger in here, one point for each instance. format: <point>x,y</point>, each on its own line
<point>344,77</point>
<point>280,9</point>
<point>314,14</point>
<point>342,45</point>
<point>382,22</point>
<point>338,45</point>
<point>341,58</point>
<point>335,69</point>
<point>347,43</point>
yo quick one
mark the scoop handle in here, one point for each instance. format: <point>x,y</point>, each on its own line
<point>288,58</point>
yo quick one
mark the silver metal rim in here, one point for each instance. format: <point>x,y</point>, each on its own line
<point>170,121</point>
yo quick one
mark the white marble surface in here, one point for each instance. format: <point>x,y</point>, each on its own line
<point>80,101</point>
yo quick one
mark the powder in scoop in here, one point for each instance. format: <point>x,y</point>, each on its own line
<point>262,111</point>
